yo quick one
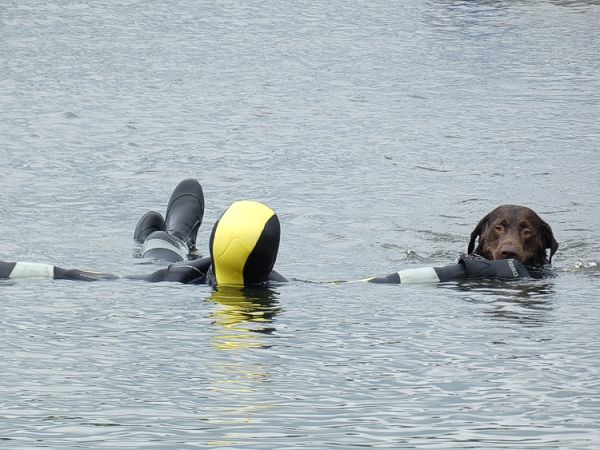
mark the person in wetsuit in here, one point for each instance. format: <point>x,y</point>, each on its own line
<point>243,249</point>
<point>243,245</point>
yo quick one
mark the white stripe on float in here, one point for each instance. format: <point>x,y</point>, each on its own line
<point>32,270</point>
<point>418,275</point>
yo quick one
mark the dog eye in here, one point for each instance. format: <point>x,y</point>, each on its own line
<point>498,228</point>
<point>527,232</point>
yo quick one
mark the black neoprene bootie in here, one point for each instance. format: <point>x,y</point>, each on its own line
<point>185,212</point>
<point>148,224</point>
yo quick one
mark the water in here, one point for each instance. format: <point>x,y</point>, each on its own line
<point>381,133</point>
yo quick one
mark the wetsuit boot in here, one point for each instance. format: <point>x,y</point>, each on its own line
<point>184,213</point>
<point>174,238</point>
<point>148,224</point>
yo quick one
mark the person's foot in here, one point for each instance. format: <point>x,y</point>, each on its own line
<point>185,212</point>
<point>148,224</point>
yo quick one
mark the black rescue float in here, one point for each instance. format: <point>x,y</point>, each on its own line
<point>465,268</point>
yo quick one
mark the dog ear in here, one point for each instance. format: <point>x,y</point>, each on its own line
<point>548,240</point>
<point>476,233</point>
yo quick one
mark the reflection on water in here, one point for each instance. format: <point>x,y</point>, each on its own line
<point>526,303</point>
<point>242,321</point>
<point>242,316</point>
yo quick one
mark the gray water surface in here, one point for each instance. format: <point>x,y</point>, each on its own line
<point>380,132</point>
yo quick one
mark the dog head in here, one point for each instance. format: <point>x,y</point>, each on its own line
<point>512,231</point>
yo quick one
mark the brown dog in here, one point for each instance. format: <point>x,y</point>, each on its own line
<point>512,231</point>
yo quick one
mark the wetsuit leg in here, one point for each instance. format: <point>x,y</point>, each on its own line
<point>192,272</point>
